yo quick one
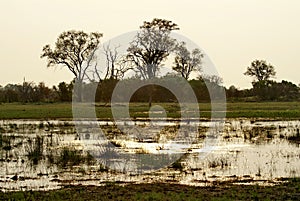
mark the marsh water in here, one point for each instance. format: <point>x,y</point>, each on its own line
<point>44,155</point>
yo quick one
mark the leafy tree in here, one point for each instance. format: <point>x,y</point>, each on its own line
<point>186,62</point>
<point>232,92</point>
<point>276,91</point>
<point>151,46</point>
<point>12,93</point>
<point>105,90</point>
<point>65,91</point>
<point>74,50</point>
<point>289,91</point>
<point>1,94</point>
<point>214,86</point>
<point>217,80</point>
<point>200,89</point>
<point>42,93</point>
<point>260,70</point>
<point>27,91</point>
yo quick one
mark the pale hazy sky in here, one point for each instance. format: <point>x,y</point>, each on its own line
<point>231,32</point>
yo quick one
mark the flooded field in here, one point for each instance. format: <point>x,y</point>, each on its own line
<point>43,155</point>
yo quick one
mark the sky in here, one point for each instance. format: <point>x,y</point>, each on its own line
<point>231,32</point>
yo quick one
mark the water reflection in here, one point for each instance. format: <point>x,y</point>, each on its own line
<point>47,154</point>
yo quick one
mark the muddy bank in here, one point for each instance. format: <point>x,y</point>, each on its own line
<point>289,190</point>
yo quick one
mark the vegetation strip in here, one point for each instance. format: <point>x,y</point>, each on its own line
<point>164,191</point>
<point>271,110</point>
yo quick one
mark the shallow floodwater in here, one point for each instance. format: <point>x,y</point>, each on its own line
<point>43,155</point>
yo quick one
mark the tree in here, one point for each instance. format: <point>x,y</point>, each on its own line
<point>260,70</point>
<point>217,80</point>
<point>151,46</point>
<point>233,93</point>
<point>74,50</point>
<point>12,93</point>
<point>42,93</point>
<point>276,91</point>
<point>187,62</point>
<point>214,86</point>
<point>115,66</point>
<point>65,91</point>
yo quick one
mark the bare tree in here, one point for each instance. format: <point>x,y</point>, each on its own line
<point>186,62</point>
<point>111,58</point>
<point>115,65</point>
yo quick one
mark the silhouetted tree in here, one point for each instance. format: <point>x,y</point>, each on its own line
<point>289,91</point>
<point>276,91</point>
<point>232,92</point>
<point>74,50</point>
<point>116,65</point>
<point>11,93</point>
<point>150,47</point>
<point>200,89</point>
<point>65,91</point>
<point>27,91</point>
<point>41,93</point>
<point>187,62</point>
<point>1,94</point>
<point>214,86</point>
<point>260,70</point>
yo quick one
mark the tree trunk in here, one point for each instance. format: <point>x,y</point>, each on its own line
<point>78,91</point>
<point>150,99</point>
<point>152,89</point>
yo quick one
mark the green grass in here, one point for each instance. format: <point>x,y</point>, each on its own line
<point>164,191</point>
<point>281,110</point>
<point>273,110</point>
<point>35,111</point>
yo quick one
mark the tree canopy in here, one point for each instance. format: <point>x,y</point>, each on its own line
<point>186,62</point>
<point>151,46</point>
<point>260,70</point>
<point>146,54</point>
<point>74,50</point>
